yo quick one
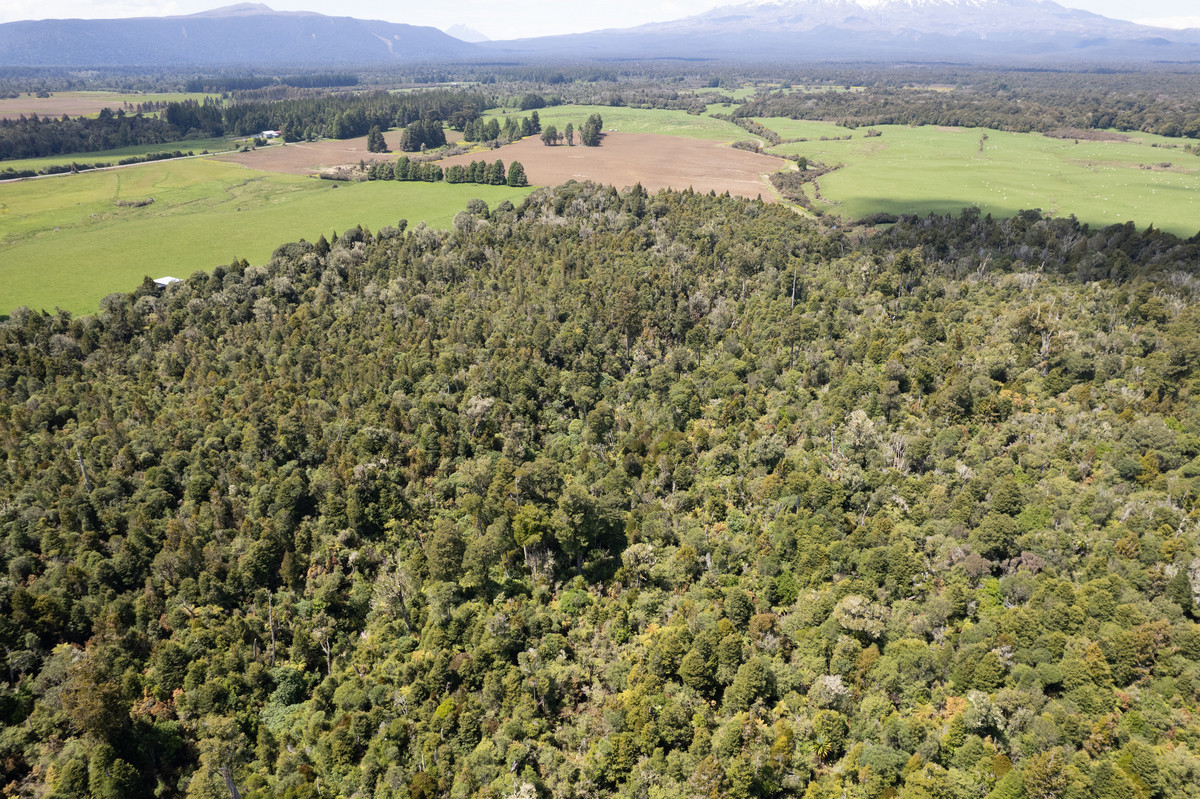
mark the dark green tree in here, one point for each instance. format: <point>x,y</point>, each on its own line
<point>375,141</point>
<point>516,175</point>
<point>496,175</point>
<point>591,132</point>
<point>444,551</point>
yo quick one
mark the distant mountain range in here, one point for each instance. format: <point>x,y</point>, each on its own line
<point>880,30</point>
<point>248,34</point>
<point>252,34</point>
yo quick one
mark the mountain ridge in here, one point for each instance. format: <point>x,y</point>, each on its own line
<point>971,31</point>
<point>967,30</point>
<point>240,34</point>
<point>239,10</point>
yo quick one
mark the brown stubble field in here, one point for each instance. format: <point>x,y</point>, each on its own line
<point>655,161</point>
<point>306,158</point>
<point>623,159</point>
<point>76,104</point>
<point>55,106</point>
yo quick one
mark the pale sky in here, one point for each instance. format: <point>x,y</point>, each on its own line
<point>508,19</point>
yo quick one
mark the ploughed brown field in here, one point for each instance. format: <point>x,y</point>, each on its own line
<point>655,161</point>
<point>77,104</point>
<point>305,158</point>
<point>621,160</point>
<point>55,106</point>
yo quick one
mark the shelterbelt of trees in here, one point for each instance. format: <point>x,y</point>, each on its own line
<point>298,115</point>
<point>612,494</point>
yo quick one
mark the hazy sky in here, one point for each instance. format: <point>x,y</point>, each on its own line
<point>506,19</point>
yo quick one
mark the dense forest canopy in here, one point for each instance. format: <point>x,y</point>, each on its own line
<point>614,495</point>
<point>999,107</point>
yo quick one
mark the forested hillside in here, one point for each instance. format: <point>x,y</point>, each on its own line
<point>614,494</point>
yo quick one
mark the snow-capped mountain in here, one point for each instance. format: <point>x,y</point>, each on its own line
<point>926,16</point>
<point>927,30</point>
<point>465,33</point>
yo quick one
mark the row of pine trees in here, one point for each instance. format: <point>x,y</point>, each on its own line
<point>493,174</point>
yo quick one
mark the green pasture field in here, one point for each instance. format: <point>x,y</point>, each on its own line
<point>742,93</point>
<point>65,243</point>
<point>113,156</point>
<point>636,120</point>
<point>942,170</point>
<point>804,128</point>
<point>719,108</point>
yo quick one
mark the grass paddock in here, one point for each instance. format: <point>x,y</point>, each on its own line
<point>64,242</point>
<point>942,170</point>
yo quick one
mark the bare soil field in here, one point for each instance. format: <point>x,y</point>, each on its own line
<point>623,159</point>
<point>656,161</point>
<point>76,104</point>
<point>56,106</point>
<point>306,158</point>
